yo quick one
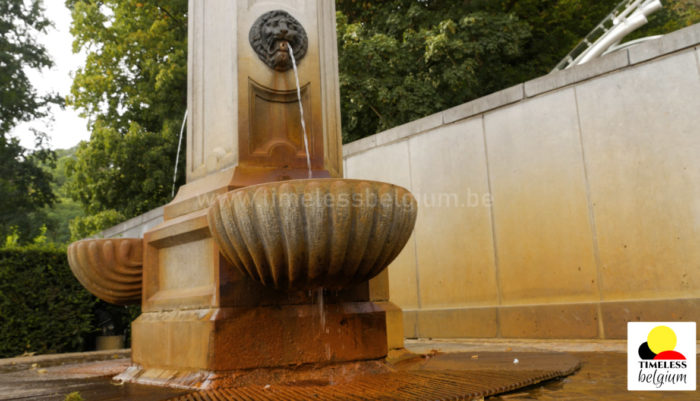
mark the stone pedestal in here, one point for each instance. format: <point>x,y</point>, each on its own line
<point>201,313</point>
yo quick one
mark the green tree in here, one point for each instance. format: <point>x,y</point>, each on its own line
<point>675,15</point>
<point>64,209</point>
<point>404,59</point>
<point>557,26</point>
<point>86,226</point>
<point>133,89</point>
<point>25,188</point>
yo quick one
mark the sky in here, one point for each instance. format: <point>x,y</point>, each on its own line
<point>67,127</point>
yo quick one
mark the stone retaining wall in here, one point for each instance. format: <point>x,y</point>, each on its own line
<point>562,207</point>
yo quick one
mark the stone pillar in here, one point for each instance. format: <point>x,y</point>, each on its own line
<point>244,125</point>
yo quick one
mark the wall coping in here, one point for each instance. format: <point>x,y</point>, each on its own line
<point>673,42</point>
<point>134,222</point>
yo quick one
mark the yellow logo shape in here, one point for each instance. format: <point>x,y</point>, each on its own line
<point>660,339</point>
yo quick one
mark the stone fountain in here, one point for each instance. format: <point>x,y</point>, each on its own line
<point>264,257</point>
<point>267,277</point>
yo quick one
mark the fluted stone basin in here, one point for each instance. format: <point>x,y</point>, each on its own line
<point>305,234</point>
<point>111,269</point>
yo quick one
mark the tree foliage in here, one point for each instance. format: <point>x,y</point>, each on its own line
<point>25,188</point>
<point>58,215</point>
<point>404,59</point>
<point>133,90</point>
<point>20,22</point>
<point>675,15</point>
<point>86,226</point>
<point>557,27</point>
<point>43,308</point>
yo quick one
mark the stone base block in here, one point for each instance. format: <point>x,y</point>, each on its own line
<point>224,339</point>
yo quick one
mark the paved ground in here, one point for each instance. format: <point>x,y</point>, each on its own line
<point>408,377</point>
<point>603,373</point>
<point>43,381</point>
<point>601,377</point>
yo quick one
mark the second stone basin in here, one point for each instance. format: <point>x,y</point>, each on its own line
<point>111,269</point>
<point>306,234</point>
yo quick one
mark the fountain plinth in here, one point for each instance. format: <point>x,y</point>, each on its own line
<point>233,279</point>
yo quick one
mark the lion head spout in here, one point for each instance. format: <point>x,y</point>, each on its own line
<point>272,34</point>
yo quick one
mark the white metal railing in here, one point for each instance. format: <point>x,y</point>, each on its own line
<point>625,18</point>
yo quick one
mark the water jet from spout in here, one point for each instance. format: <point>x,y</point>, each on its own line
<point>301,109</point>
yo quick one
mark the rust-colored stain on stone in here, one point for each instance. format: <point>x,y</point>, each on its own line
<point>256,337</point>
<point>109,268</point>
<point>305,234</point>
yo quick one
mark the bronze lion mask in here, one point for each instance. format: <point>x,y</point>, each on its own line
<point>272,34</point>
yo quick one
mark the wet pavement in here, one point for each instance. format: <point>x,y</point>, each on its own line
<point>91,379</point>
<point>602,376</point>
<point>603,373</point>
<point>443,376</point>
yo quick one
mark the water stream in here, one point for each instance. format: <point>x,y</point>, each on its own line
<point>321,311</point>
<point>301,113</point>
<point>319,291</point>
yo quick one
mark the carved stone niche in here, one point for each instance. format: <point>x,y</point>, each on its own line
<point>276,138</point>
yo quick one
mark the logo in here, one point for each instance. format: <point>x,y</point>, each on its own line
<point>661,356</point>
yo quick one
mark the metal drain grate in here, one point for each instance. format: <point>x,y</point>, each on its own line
<point>402,385</point>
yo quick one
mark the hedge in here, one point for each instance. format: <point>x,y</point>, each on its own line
<point>43,308</point>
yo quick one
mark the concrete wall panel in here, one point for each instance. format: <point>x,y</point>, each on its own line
<point>541,218</point>
<point>457,323</point>
<point>448,170</point>
<point>641,135</point>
